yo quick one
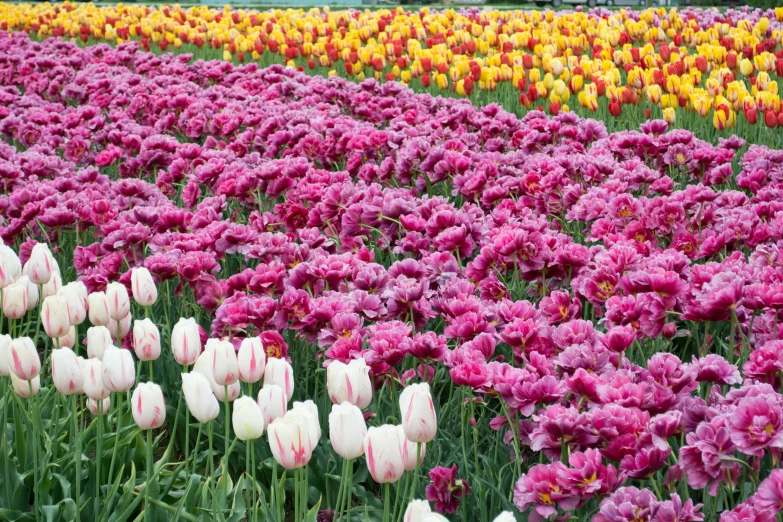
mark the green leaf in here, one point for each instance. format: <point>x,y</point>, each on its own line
<point>312,515</point>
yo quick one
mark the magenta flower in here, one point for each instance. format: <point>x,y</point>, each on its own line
<point>770,494</point>
<point>446,490</point>
<point>545,488</point>
<point>756,424</point>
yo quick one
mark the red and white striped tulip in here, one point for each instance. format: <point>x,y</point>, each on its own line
<point>418,413</point>
<point>32,292</point>
<point>273,402</point>
<point>280,372</point>
<point>40,265</point>
<point>15,301</point>
<point>409,450</point>
<point>119,302</point>
<point>54,285</point>
<point>145,293</point>
<point>225,367</point>
<point>118,371</point>
<point>22,387</point>
<point>77,312</point>
<point>349,382</point>
<point>67,373</point>
<point>289,440</point>
<point>68,340</point>
<point>98,339</point>
<point>119,329</point>
<point>146,340</point>
<point>98,309</point>
<point>347,430</point>
<point>383,452</point>
<point>416,511</point>
<point>10,266</point>
<point>93,380</point>
<point>93,406</point>
<point>186,341</point>
<point>25,363</point>
<point>247,419</point>
<point>199,397</point>
<point>148,406</point>
<point>55,316</point>
<point>251,360</point>
<point>5,355</point>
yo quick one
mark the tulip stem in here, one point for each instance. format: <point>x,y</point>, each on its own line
<point>195,449</point>
<point>77,455</point>
<point>228,445</point>
<point>296,495</point>
<point>211,457</point>
<point>341,492</point>
<point>386,503</point>
<point>6,398</point>
<point>34,422</point>
<point>150,473</point>
<point>251,468</point>
<point>416,471</point>
<point>275,493</point>
<point>116,436</point>
<point>98,457</point>
<point>187,423</point>
<point>150,362</point>
<point>406,491</point>
<point>349,490</point>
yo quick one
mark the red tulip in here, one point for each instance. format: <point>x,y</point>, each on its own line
<point>752,116</point>
<point>615,108</point>
<point>770,119</point>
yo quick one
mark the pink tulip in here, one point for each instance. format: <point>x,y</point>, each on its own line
<point>25,363</point>
<point>54,315</point>
<point>144,291</point>
<point>146,340</point>
<point>418,413</point>
<point>67,373</point>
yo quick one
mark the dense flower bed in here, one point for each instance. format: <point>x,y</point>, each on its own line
<point>606,305</point>
<point>713,68</point>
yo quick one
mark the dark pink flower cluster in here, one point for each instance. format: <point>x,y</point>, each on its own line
<point>616,297</point>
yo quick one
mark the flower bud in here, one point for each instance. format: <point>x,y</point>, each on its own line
<point>55,316</point>
<point>347,430</point>
<point>311,410</point>
<point>383,452</point>
<point>93,406</point>
<point>247,419</point>
<point>53,286</point>
<point>67,373</point>
<point>22,387</point>
<point>77,313</point>
<point>409,450</point>
<point>251,360</point>
<point>418,413</point>
<point>416,510</point>
<point>93,380</point>
<point>98,339</point>
<point>273,402</point>
<point>204,366</point>
<point>98,309</point>
<point>148,406</point>
<point>32,292</point>
<point>40,266</point>
<point>68,340</point>
<point>10,266</point>
<point>118,372</point>
<point>186,341</point>
<point>119,329</point>
<point>225,369</point>
<point>25,363</point>
<point>145,293</point>
<point>119,302</point>
<point>199,397</point>
<point>5,355</point>
<point>289,440</point>
<point>146,340</point>
<point>349,382</point>
<point>280,372</point>
<point>15,301</point>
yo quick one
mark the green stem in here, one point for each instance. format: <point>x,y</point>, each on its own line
<point>6,398</point>
<point>150,473</point>
<point>34,422</point>
<point>228,446</point>
<point>296,495</point>
<point>349,490</point>
<point>116,436</point>
<point>98,458</point>
<point>406,491</point>
<point>187,421</point>
<point>416,471</point>
<point>211,457</point>
<point>386,503</point>
<point>77,456</point>
<point>341,492</point>
<point>150,363</point>
<point>195,450</point>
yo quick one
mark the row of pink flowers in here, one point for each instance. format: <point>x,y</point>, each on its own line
<point>534,258</point>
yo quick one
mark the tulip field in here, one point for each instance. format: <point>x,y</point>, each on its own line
<point>390,265</point>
